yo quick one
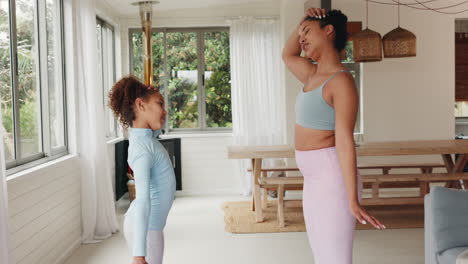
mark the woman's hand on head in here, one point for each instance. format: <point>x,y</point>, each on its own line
<point>139,260</point>
<point>364,217</point>
<point>315,12</point>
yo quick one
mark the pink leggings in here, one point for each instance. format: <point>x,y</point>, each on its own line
<point>329,223</point>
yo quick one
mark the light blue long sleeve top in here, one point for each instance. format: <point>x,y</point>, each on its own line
<point>154,184</point>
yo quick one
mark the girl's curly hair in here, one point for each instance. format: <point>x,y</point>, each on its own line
<point>123,95</point>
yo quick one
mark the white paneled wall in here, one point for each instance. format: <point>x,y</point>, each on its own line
<point>205,166</point>
<point>45,212</point>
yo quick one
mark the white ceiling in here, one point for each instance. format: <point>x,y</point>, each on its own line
<point>124,8</point>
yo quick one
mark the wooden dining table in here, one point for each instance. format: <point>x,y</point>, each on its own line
<point>445,148</point>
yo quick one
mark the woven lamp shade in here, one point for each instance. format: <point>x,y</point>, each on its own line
<point>399,43</point>
<point>367,46</point>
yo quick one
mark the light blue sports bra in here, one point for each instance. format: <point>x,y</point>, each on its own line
<point>312,111</point>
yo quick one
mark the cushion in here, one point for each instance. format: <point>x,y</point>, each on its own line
<point>450,218</point>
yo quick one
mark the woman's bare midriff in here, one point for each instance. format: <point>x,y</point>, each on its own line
<point>311,139</point>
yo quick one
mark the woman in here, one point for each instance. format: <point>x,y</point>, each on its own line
<point>141,107</point>
<point>326,109</point>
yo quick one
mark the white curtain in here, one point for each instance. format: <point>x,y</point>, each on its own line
<point>97,198</point>
<point>258,100</point>
<point>4,235</point>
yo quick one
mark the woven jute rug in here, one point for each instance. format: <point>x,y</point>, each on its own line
<point>238,218</point>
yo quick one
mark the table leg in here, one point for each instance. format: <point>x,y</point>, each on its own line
<point>460,167</point>
<point>252,206</point>
<point>448,161</point>
<point>257,168</point>
<point>424,186</point>
<point>456,167</point>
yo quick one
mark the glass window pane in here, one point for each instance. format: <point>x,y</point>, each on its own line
<point>54,71</point>
<point>157,41</point>
<point>182,90</point>
<point>217,80</point>
<point>355,73</point>
<point>137,54</point>
<point>106,71</point>
<point>461,109</point>
<point>348,52</point>
<point>99,55</point>
<point>29,104</point>
<point>5,83</point>
<point>108,75</point>
<point>353,68</point>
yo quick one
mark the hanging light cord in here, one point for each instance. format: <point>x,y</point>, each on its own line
<point>398,13</point>
<point>443,12</point>
<point>422,5</point>
<point>367,14</point>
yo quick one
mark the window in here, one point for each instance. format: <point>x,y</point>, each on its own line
<point>461,68</point>
<point>106,71</point>
<point>354,69</point>
<point>192,68</point>
<point>32,80</point>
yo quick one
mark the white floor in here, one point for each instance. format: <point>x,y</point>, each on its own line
<point>195,234</point>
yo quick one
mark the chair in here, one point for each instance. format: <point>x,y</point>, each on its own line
<point>445,225</point>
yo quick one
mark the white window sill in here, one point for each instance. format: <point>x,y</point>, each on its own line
<point>36,166</point>
<point>112,141</point>
<point>195,135</point>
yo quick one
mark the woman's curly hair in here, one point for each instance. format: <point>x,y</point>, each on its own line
<point>123,95</point>
<point>339,22</point>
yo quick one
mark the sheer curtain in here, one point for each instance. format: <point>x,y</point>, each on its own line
<point>258,101</point>
<point>4,234</point>
<point>97,198</point>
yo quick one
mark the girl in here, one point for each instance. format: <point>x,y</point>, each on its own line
<point>141,108</point>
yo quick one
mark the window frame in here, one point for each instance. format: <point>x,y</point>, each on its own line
<point>356,67</point>
<point>115,133</point>
<point>354,27</point>
<point>202,115</point>
<point>48,152</point>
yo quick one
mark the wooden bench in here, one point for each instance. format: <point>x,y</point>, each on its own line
<point>423,167</point>
<point>423,180</point>
<point>281,184</point>
<point>265,188</point>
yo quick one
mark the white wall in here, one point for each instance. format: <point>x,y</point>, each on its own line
<point>205,167</point>
<point>45,212</point>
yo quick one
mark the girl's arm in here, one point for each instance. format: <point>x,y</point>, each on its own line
<point>141,169</point>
